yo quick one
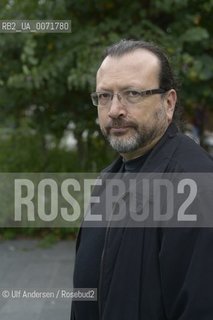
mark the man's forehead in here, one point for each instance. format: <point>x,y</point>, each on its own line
<point>140,58</point>
<point>139,68</point>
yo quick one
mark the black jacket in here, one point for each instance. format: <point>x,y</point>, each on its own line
<point>159,273</point>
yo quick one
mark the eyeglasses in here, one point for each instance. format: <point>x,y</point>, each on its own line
<point>126,97</point>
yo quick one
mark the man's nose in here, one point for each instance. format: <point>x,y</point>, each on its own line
<point>117,109</point>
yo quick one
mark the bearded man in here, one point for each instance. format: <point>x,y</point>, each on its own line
<point>144,273</point>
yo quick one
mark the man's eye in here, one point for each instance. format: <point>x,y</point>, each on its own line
<point>104,95</point>
<point>132,93</point>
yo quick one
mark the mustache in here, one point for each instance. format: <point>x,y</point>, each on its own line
<point>120,123</point>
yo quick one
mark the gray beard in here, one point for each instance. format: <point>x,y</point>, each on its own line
<point>142,136</point>
<point>137,140</point>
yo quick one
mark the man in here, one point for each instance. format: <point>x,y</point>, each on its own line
<point>144,273</point>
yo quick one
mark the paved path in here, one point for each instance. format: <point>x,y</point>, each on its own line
<point>27,269</point>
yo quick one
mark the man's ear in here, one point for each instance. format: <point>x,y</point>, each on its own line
<point>170,100</point>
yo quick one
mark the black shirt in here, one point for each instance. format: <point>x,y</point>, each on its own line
<point>88,258</point>
<point>136,164</point>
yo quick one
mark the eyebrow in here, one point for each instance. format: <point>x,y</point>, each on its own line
<point>121,88</point>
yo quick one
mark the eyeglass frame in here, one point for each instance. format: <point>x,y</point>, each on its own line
<point>142,93</point>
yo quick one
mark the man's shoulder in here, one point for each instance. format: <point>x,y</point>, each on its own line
<point>190,156</point>
<point>174,153</point>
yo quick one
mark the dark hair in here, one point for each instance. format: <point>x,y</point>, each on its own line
<point>167,80</point>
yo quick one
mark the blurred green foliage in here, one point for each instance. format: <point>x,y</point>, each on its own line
<point>45,79</point>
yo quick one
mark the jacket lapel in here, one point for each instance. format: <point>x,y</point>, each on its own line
<point>157,162</point>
